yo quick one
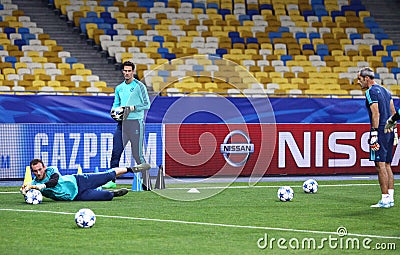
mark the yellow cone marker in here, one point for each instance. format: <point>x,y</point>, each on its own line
<point>28,175</point>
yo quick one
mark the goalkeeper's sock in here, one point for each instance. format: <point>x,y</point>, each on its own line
<point>391,194</point>
<point>385,198</point>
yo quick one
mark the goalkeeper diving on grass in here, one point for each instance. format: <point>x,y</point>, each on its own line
<point>77,187</point>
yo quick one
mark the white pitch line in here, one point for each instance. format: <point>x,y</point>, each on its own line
<point>246,187</point>
<point>211,224</point>
<point>278,186</point>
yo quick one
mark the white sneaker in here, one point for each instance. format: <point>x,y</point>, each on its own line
<point>391,203</point>
<point>381,204</point>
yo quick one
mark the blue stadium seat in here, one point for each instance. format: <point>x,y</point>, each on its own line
<point>307,13</point>
<point>111,32</point>
<point>158,38</point>
<point>104,26</point>
<point>91,14</point>
<point>273,35</point>
<point>20,43</point>
<point>106,3</point>
<point>233,34</point>
<point>335,14</point>
<point>9,30</point>
<point>321,13</point>
<point>308,46</point>
<point>244,17</point>
<point>71,60</point>
<point>323,53</point>
<point>352,37</point>
<point>314,35</point>
<point>322,47</point>
<point>390,48</point>
<point>317,2</point>
<point>376,48</point>
<point>212,6</point>
<point>285,58</point>
<point>395,71</point>
<point>266,7</point>
<point>300,35</point>
<point>237,40</point>
<point>220,52</point>
<point>111,21</point>
<point>23,30</point>
<point>170,56</point>
<point>162,50</point>
<point>153,22</point>
<point>138,32</point>
<point>386,59</point>
<point>283,29</point>
<point>11,59</point>
<point>251,40</point>
<point>28,37</point>
<point>199,5</point>
<point>105,15</point>
<point>224,12</point>
<point>253,12</point>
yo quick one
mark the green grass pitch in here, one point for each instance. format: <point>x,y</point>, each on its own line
<point>238,220</point>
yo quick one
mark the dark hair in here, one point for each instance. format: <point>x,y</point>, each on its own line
<point>128,63</point>
<point>367,71</point>
<point>35,162</point>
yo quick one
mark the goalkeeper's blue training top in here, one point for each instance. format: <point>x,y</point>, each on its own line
<point>66,188</point>
<point>132,94</point>
<point>379,94</point>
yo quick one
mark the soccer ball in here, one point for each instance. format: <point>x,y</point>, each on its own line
<point>117,114</point>
<point>85,218</point>
<point>285,193</point>
<point>310,186</point>
<point>33,196</point>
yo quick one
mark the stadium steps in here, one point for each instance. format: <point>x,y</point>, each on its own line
<point>386,14</point>
<point>44,16</point>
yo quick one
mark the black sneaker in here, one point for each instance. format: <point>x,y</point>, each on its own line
<point>120,192</point>
<point>139,168</point>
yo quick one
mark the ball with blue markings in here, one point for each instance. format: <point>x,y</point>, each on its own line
<point>285,193</point>
<point>85,218</point>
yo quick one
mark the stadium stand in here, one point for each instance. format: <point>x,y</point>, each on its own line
<point>287,43</point>
<point>30,59</point>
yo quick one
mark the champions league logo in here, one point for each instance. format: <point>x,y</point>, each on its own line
<point>237,148</point>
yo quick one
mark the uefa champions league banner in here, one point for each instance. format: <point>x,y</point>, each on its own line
<point>89,109</point>
<point>69,146</point>
<point>266,149</point>
<point>199,136</point>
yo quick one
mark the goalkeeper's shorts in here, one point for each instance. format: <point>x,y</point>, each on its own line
<point>385,152</point>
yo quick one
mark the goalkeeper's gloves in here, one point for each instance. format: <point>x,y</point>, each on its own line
<point>39,186</point>
<point>390,124</point>
<point>373,139</point>
<point>25,188</point>
<point>396,137</point>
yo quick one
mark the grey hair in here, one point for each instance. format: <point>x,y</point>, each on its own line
<point>367,71</point>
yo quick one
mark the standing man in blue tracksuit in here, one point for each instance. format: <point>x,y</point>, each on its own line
<point>132,95</point>
<point>380,107</point>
